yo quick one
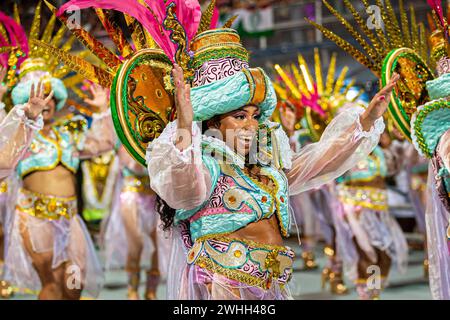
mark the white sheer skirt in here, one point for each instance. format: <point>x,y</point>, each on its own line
<point>200,284</point>
<point>67,239</point>
<point>143,220</point>
<point>370,228</point>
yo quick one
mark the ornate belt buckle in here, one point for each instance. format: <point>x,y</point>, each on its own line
<point>273,264</point>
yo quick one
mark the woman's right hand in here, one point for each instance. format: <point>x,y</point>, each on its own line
<point>37,101</point>
<point>185,113</point>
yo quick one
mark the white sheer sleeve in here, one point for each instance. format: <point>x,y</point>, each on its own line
<point>179,177</point>
<point>16,134</point>
<point>342,145</point>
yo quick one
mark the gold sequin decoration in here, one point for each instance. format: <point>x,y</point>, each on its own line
<point>47,207</point>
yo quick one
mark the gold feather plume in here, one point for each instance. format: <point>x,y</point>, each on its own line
<point>375,42</point>
<point>36,51</point>
<point>298,81</point>
<point>321,99</point>
<point>110,59</point>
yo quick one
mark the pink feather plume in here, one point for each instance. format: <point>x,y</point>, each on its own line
<point>188,13</point>
<point>313,102</point>
<point>436,5</point>
<point>17,38</point>
<point>215,18</point>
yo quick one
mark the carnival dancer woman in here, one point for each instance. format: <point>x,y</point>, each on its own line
<point>425,117</point>
<point>133,238</point>
<point>378,239</point>
<point>13,48</point>
<point>48,242</point>
<point>235,214</point>
<point>48,248</point>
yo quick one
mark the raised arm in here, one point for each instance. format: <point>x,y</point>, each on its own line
<point>17,129</point>
<point>177,172</point>
<point>100,138</point>
<point>348,139</point>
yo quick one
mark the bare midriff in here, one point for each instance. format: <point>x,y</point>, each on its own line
<point>58,182</point>
<point>264,231</point>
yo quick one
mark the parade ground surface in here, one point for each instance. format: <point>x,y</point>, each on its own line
<point>409,286</point>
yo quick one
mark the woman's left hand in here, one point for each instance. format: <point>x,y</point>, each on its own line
<point>377,107</point>
<point>100,98</point>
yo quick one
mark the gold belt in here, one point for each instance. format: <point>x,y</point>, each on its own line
<point>244,261</point>
<point>46,207</point>
<point>366,197</point>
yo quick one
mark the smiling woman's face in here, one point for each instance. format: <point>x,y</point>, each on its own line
<point>49,111</point>
<point>239,128</point>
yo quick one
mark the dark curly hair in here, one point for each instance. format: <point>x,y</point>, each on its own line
<point>166,213</point>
